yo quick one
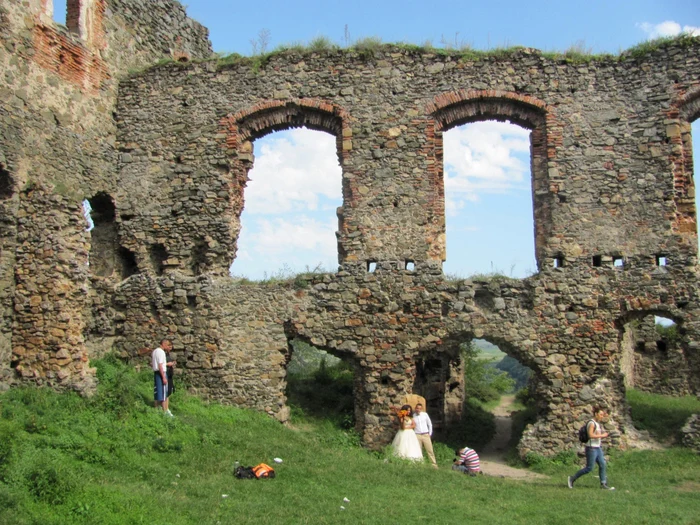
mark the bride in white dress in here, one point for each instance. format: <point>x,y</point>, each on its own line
<point>405,444</point>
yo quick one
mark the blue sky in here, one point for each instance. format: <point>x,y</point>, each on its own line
<point>487,165</point>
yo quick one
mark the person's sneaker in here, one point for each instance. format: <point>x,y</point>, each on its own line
<point>169,413</point>
<point>570,482</point>
<point>605,487</point>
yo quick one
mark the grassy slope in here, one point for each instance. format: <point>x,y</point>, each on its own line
<point>115,460</point>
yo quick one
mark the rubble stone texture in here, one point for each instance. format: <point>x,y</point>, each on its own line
<point>162,155</point>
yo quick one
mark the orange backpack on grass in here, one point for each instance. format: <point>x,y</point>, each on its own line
<point>263,471</point>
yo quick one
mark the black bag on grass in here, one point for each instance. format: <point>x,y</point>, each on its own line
<point>244,473</point>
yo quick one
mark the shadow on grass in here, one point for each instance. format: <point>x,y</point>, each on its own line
<point>325,393</point>
<point>475,429</point>
<point>663,416</point>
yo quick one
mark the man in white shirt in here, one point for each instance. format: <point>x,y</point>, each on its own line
<point>424,429</point>
<point>160,378</point>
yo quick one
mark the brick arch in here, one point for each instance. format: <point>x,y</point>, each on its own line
<point>277,115</point>
<point>455,108</point>
<point>689,105</point>
<point>465,106</point>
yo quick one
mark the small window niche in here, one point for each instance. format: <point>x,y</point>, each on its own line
<point>371,266</point>
<point>661,260</point>
<point>597,261</point>
<point>6,184</point>
<point>410,266</point>
<point>618,261</point>
<point>127,260</point>
<point>100,220</point>
<point>558,261</point>
<point>158,257</point>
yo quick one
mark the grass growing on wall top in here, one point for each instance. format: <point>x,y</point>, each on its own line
<point>367,48</point>
<point>114,459</point>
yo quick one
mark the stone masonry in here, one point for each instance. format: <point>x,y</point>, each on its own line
<point>163,156</point>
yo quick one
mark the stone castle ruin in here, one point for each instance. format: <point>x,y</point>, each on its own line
<point>161,149</point>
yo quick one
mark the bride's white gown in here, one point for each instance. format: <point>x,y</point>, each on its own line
<point>406,444</point>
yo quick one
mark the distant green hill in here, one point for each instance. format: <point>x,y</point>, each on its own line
<point>487,350</point>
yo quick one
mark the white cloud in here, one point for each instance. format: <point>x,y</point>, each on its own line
<point>273,236</point>
<point>667,28</point>
<point>270,245</point>
<point>294,171</point>
<point>484,157</point>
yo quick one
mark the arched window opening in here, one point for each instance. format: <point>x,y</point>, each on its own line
<point>290,216</point>
<point>653,357</point>
<point>100,214</point>
<point>320,385</point>
<point>488,200</point>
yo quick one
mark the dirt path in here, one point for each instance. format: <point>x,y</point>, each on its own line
<point>493,462</point>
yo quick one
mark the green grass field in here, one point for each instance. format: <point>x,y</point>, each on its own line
<point>113,459</point>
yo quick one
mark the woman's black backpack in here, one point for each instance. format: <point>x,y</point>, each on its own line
<point>583,433</point>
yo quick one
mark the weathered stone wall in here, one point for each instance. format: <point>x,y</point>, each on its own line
<point>691,433</point>
<point>166,168</point>
<point>606,136</point>
<point>57,135</point>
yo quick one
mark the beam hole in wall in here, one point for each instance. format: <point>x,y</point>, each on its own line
<point>653,357</point>
<point>410,266</point>
<point>597,261</point>
<point>488,200</point>
<point>558,261</point>
<point>320,385</point>
<point>661,260</point>
<point>618,261</point>
<point>371,266</point>
<point>291,201</point>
